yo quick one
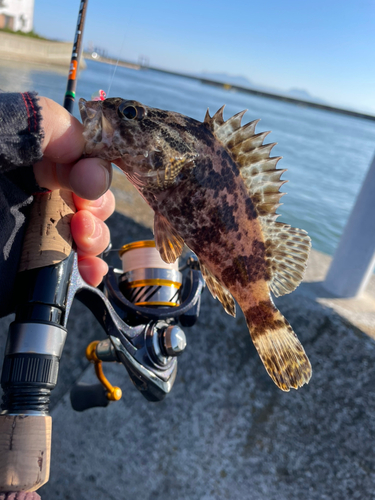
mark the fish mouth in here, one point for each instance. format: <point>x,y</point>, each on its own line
<point>87,109</point>
<point>93,119</point>
<point>98,131</point>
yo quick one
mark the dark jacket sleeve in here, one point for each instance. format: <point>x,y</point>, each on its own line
<point>21,136</point>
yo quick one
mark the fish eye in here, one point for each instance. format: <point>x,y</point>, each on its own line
<point>126,111</point>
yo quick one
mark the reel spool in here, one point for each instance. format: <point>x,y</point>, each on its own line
<point>147,279</point>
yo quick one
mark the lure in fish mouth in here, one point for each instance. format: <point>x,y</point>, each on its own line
<point>214,187</point>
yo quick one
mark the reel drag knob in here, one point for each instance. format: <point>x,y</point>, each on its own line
<point>174,340</point>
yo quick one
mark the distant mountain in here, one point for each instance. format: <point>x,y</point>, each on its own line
<point>242,81</point>
<point>299,93</point>
<point>303,94</point>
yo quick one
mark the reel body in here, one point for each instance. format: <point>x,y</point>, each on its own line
<point>147,305</point>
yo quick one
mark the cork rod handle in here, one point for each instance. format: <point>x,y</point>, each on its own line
<point>48,239</point>
<point>25,452</point>
<point>25,440</point>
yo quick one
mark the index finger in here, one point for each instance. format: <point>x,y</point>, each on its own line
<point>63,140</point>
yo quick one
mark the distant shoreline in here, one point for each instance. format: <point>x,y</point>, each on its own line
<point>22,48</point>
<point>108,60</point>
<point>248,90</point>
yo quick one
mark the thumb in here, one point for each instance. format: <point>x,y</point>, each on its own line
<point>63,140</point>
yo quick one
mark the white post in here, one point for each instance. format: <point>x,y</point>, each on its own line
<point>354,259</point>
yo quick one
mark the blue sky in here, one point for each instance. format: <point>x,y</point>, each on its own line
<point>324,47</point>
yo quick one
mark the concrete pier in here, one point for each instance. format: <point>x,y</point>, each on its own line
<point>225,431</point>
<point>354,259</point>
<point>24,48</point>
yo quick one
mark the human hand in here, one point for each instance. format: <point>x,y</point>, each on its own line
<point>88,178</point>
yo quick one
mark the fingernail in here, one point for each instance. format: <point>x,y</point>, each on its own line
<point>97,232</point>
<point>97,203</point>
<point>91,229</point>
<point>83,264</point>
<point>108,177</point>
<point>102,179</point>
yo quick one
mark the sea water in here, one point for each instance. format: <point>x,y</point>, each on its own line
<point>326,154</point>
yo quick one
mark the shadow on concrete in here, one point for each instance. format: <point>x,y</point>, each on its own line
<point>315,289</point>
<point>225,431</point>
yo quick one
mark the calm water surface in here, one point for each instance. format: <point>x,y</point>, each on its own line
<point>326,154</point>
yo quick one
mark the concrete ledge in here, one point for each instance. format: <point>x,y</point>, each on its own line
<point>23,48</point>
<point>225,431</point>
<point>358,311</point>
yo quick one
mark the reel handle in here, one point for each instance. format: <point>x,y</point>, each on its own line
<point>25,432</point>
<point>85,396</point>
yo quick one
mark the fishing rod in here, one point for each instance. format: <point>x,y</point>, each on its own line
<point>36,337</point>
<point>140,308</point>
<point>70,93</point>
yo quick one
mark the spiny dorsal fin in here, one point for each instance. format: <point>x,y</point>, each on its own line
<point>219,291</point>
<point>288,249</point>
<point>207,117</point>
<point>167,240</point>
<point>229,127</point>
<point>217,120</point>
<point>252,157</point>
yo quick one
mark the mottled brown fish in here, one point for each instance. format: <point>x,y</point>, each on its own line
<point>214,187</point>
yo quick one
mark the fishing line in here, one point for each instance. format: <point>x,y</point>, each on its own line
<point>118,59</point>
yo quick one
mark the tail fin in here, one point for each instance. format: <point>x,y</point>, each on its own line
<point>278,346</point>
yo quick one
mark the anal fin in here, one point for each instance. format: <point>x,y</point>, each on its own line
<point>219,291</point>
<point>167,240</point>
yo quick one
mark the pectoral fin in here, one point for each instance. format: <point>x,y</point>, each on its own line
<point>167,240</point>
<point>163,178</point>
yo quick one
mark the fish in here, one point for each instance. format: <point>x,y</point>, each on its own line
<point>213,187</point>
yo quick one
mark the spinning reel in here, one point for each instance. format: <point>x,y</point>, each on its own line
<point>142,309</point>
